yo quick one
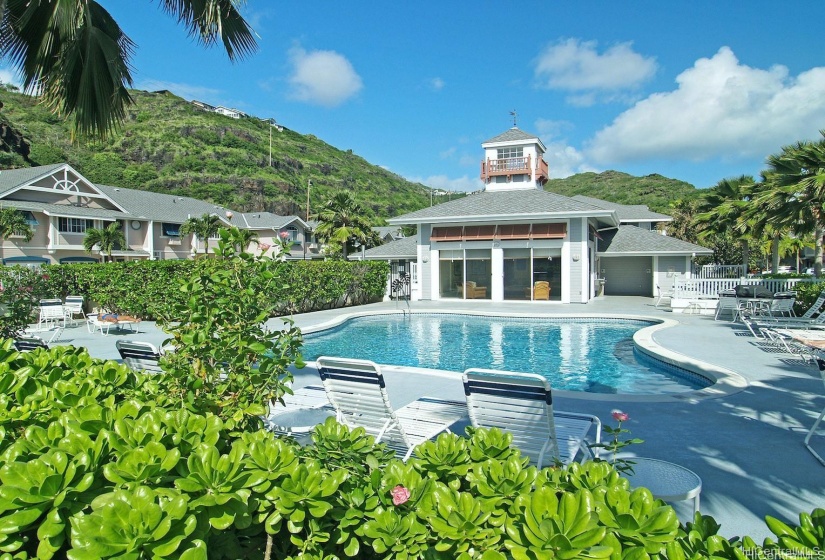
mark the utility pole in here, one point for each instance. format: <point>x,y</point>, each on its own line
<point>270,144</point>
<point>309,184</point>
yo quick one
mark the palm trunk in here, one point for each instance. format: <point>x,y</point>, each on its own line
<point>775,254</point>
<point>818,234</point>
<point>745,257</point>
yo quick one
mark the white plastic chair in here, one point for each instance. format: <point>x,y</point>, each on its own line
<point>357,390</point>
<point>728,302</point>
<point>663,294</point>
<point>522,404</point>
<point>821,366</point>
<point>51,313</point>
<point>299,410</point>
<point>72,306</point>
<point>139,356</point>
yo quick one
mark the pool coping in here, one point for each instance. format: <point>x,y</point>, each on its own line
<point>725,381</point>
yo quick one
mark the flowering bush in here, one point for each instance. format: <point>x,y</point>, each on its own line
<point>20,291</point>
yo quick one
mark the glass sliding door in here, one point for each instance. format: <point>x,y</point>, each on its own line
<point>547,274</point>
<point>451,273</point>
<point>517,274</point>
<point>479,273</point>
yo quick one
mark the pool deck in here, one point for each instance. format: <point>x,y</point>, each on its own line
<point>745,443</point>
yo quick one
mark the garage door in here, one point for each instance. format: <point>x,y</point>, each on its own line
<point>628,276</point>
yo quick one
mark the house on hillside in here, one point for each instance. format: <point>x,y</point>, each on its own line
<point>514,241</point>
<point>60,205</point>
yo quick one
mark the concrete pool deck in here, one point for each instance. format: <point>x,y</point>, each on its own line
<point>745,443</point>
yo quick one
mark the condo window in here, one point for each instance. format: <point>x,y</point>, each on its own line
<point>73,225</point>
<point>30,219</point>
<point>170,230</point>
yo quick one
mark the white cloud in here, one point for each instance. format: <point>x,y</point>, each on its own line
<point>437,84</point>
<point>721,109</point>
<point>575,65</point>
<point>448,153</point>
<point>187,91</point>
<point>564,160</point>
<point>442,182</point>
<point>11,77</point>
<point>323,78</point>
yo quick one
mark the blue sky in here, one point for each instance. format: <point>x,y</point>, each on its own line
<point>697,91</point>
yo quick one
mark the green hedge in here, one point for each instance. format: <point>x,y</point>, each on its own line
<point>148,289</point>
<point>97,462</point>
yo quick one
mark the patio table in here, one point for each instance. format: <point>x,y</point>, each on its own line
<point>667,481</point>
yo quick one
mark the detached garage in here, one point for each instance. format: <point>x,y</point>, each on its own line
<point>627,276</point>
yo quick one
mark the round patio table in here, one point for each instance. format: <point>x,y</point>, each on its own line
<point>667,481</point>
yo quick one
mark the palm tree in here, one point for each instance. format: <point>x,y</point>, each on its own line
<point>73,54</point>
<point>797,199</point>
<point>342,220</point>
<point>245,237</point>
<point>721,210</point>
<point>106,240</point>
<point>13,222</point>
<point>203,228</point>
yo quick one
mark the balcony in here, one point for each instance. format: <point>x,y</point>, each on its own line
<point>514,166</point>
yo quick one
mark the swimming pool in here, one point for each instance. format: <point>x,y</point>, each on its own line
<point>589,355</point>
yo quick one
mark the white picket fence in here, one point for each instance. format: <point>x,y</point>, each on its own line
<point>691,288</point>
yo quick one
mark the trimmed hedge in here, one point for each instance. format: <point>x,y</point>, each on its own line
<point>149,289</point>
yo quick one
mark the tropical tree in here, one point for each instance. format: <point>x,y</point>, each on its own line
<point>722,208</point>
<point>342,220</point>
<point>13,222</point>
<point>244,237</point>
<point>105,240</point>
<point>203,228</point>
<point>75,56</point>
<point>797,197</point>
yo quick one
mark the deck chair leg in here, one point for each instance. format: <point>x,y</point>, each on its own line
<point>811,433</point>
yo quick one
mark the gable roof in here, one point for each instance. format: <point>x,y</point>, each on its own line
<point>628,240</point>
<point>161,207</point>
<point>13,178</point>
<point>513,135</point>
<point>626,212</point>
<point>527,204</point>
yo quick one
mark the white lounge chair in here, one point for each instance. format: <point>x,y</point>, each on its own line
<point>73,306</point>
<point>51,314</point>
<point>29,343</point>
<point>821,365</point>
<point>357,390</point>
<point>663,294</point>
<point>728,302</point>
<point>522,404</point>
<point>139,356</point>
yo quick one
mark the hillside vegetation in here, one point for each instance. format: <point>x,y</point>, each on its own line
<point>168,145</point>
<point>655,191</point>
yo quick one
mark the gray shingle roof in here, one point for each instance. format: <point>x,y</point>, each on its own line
<point>11,178</point>
<point>65,210</point>
<point>634,240</point>
<point>159,206</point>
<point>264,220</point>
<point>626,212</point>
<point>502,205</point>
<point>512,135</point>
<point>404,248</point>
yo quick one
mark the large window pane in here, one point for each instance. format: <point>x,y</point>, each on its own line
<point>546,268</point>
<point>479,272</point>
<point>517,274</point>
<point>451,273</point>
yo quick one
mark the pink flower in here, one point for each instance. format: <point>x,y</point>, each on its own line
<point>283,234</point>
<point>399,495</point>
<point>265,247</point>
<point>229,214</point>
<point>620,416</point>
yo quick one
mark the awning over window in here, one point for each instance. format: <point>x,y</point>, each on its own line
<point>447,233</point>
<point>72,260</point>
<point>549,231</point>
<point>513,231</point>
<point>479,233</point>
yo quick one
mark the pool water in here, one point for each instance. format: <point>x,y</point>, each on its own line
<point>591,355</point>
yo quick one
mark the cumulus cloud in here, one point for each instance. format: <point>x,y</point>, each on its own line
<point>323,78</point>
<point>576,66</point>
<point>721,108</point>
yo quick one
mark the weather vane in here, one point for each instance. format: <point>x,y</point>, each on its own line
<point>514,115</point>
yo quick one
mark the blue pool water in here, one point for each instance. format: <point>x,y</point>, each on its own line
<point>591,355</point>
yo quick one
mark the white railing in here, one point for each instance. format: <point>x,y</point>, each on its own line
<point>689,288</point>
<point>721,271</point>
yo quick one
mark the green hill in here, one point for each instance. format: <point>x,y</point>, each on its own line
<point>656,191</point>
<point>168,145</point>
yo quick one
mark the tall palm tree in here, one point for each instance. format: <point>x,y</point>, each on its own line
<point>203,228</point>
<point>343,220</point>
<point>797,199</point>
<point>74,54</point>
<point>13,222</point>
<point>721,210</point>
<point>106,240</point>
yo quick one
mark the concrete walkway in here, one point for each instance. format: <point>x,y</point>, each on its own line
<point>746,446</point>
